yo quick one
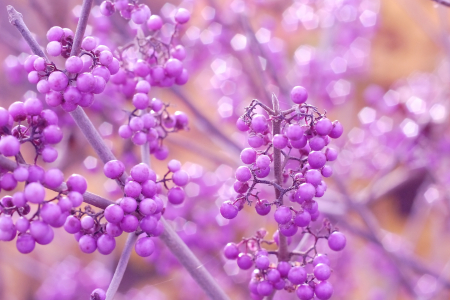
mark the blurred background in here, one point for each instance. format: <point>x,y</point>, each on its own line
<point>380,67</point>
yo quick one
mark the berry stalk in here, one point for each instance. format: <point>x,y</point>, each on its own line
<point>283,254</point>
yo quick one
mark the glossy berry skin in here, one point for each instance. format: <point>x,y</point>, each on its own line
<point>324,126</point>
<point>228,210</point>
<point>322,271</point>
<point>262,207</point>
<point>284,268</point>
<point>316,159</point>
<point>305,292</point>
<point>87,244</point>
<point>273,275</point>
<point>114,213</point>
<point>72,225</point>
<point>244,261</point>
<point>302,219</point>
<point>129,223</point>
<point>176,195</point>
<point>259,123</point>
<point>113,169</point>
<point>9,145</point>
<point>231,251</point>
<point>248,156</point>
<point>337,241</point>
<point>262,262</point>
<point>144,247</point>
<point>297,275</point>
<point>77,183</point>
<point>323,290</point>
<point>34,192</point>
<point>106,244</point>
<point>294,132</point>
<point>336,130</point>
<point>25,243</point>
<point>299,95</point>
<point>182,16</point>
<point>283,215</point>
<point>243,174</point>
<point>180,178</point>
<point>264,288</point>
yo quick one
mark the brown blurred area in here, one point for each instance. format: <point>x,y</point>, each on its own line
<point>411,38</point>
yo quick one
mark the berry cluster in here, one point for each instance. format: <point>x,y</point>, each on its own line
<point>153,126</point>
<point>153,57</point>
<point>84,76</point>
<point>41,131</point>
<point>307,276</point>
<point>300,135</point>
<point>38,227</point>
<point>304,134</point>
<point>138,211</point>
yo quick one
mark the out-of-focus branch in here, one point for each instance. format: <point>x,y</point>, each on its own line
<point>205,124</point>
<point>443,2</point>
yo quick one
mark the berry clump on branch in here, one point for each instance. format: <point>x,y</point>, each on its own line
<point>294,145</point>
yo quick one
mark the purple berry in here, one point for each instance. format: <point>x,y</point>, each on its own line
<point>305,292</point>
<point>25,243</point>
<point>299,95</point>
<point>244,261</point>
<point>144,247</point>
<point>336,131</point>
<point>323,290</point>
<point>297,275</point>
<point>243,174</point>
<point>283,215</point>
<point>113,169</point>
<point>87,244</point>
<point>182,16</point>
<point>262,207</point>
<point>228,210</point>
<point>77,183</point>
<point>176,195</point>
<point>114,213</point>
<point>337,241</point>
<point>231,251</point>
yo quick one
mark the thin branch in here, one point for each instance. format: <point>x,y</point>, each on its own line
<point>191,263</point>
<point>81,27</point>
<point>16,19</point>
<point>94,138</point>
<point>121,266</point>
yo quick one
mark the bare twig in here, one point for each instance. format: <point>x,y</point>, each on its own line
<point>276,129</point>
